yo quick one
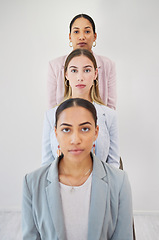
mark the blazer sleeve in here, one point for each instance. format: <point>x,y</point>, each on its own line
<point>113,155</point>
<point>112,96</point>
<point>51,86</point>
<point>124,226</point>
<point>47,155</point>
<point>29,229</point>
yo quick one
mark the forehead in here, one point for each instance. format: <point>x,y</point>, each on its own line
<point>80,61</point>
<point>81,22</point>
<point>75,116</point>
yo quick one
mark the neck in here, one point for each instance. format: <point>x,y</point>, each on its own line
<point>76,168</point>
<point>83,96</point>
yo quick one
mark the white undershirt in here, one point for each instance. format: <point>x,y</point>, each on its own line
<point>76,209</point>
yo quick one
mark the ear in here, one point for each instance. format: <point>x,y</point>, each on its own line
<point>96,73</point>
<point>70,36</point>
<point>66,75</point>
<point>96,132</point>
<point>95,36</point>
<point>55,130</point>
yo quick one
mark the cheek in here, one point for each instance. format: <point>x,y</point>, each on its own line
<point>89,140</point>
<point>91,79</point>
<point>63,145</point>
<point>71,78</point>
<point>71,83</point>
<point>91,39</point>
<point>74,39</point>
<point>61,139</point>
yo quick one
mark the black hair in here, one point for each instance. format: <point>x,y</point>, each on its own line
<point>82,15</point>
<point>76,102</point>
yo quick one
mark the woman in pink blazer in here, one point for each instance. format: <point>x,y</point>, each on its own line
<point>82,35</point>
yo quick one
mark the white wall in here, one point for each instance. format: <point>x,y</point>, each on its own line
<point>32,33</point>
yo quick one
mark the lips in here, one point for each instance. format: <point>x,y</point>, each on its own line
<point>81,44</point>
<point>75,151</point>
<point>80,86</point>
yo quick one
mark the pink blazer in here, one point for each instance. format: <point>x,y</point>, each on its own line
<point>106,78</point>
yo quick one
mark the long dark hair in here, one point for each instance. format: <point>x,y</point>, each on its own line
<point>72,102</point>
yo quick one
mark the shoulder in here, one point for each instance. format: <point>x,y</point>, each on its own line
<point>114,172</point>
<point>103,60</point>
<point>35,178</point>
<point>50,114</point>
<point>104,110</point>
<point>110,174</point>
<point>117,178</point>
<point>39,179</point>
<point>58,62</point>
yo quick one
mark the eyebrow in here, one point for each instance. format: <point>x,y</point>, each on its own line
<point>69,125</point>
<point>85,123</point>
<point>72,67</point>
<point>79,28</point>
<point>65,124</point>
<point>88,66</point>
<point>83,67</point>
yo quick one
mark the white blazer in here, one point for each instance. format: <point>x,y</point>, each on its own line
<point>107,146</point>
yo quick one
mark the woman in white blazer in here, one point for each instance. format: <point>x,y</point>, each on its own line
<point>82,35</point>
<point>77,196</point>
<point>81,80</point>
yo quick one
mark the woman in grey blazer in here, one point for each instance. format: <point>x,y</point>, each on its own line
<point>77,196</point>
<point>81,80</point>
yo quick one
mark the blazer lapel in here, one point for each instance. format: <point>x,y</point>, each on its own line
<point>54,201</point>
<point>98,201</point>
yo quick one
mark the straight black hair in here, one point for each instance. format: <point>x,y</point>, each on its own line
<point>82,15</point>
<point>72,102</point>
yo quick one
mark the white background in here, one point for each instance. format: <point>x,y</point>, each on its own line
<point>34,31</point>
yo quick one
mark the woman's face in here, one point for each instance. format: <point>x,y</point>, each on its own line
<point>82,35</point>
<point>76,133</point>
<point>81,75</point>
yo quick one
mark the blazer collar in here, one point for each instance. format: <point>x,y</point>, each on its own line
<point>98,200</point>
<point>97,203</point>
<point>54,200</point>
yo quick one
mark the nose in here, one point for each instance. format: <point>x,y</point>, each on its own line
<point>75,138</point>
<point>80,76</point>
<point>82,36</point>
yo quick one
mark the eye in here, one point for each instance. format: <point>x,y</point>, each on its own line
<point>75,31</point>
<point>87,70</point>
<point>65,130</point>
<point>85,129</point>
<point>87,31</point>
<point>74,70</point>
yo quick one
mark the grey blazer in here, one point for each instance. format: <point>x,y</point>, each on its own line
<point>110,214</point>
<point>107,143</point>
